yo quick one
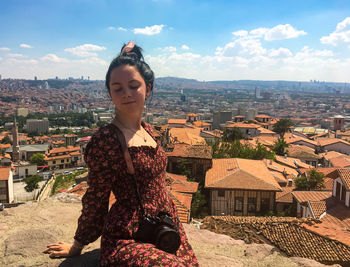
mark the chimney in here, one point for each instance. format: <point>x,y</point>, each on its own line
<point>290,182</point>
<point>285,156</point>
<point>270,161</point>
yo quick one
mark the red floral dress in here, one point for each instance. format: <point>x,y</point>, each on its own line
<point>108,172</point>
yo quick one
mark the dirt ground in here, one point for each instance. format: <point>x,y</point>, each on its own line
<point>27,229</point>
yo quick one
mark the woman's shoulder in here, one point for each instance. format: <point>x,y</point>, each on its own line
<point>104,138</point>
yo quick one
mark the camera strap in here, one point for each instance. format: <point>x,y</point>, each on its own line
<point>129,165</point>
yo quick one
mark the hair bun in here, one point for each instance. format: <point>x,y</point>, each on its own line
<point>131,50</point>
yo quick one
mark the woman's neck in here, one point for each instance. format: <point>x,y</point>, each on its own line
<point>133,123</point>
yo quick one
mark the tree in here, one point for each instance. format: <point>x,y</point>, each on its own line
<point>282,126</point>
<point>38,159</point>
<point>32,183</point>
<point>235,149</point>
<point>280,147</point>
<point>233,134</point>
<point>6,140</point>
<point>312,180</point>
<point>199,204</point>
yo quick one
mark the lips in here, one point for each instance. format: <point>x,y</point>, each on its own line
<point>130,102</point>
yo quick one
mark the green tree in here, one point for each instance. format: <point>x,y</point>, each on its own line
<point>38,159</point>
<point>232,134</point>
<point>199,204</point>
<point>282,126</point>
<point>280,147</point>
<point>184,168</point>
<point>312,180</point>
<point>32,183</point>
<point>235,149</point>
<point>6,140</point>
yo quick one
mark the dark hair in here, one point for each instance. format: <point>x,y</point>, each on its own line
<point>133,57</point>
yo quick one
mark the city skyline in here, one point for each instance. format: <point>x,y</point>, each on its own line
<point>293,40</point>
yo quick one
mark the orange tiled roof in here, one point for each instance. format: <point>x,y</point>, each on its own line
<point>330,230</point>
<point>4,173</point>
<point>287,234</point>
<point>333,154</point>
<point>64,149</point>
<point>262,116</point>
<point>243,125</point>
<point>262,130</point>
<point>328,183</point>
<point>304,196</point>
<point>330,141</point>
<point>187,151</point>
<point>301,151</point>
<point>182,210</point>
<point>192,115</point>
<point>76,153</point>
<point>186,136</point>
<point>286,195</point>
<point>318,208</point>
<point>177,121</point>
<point>291,138</point>
<point>57,157</point>
<point>339,215</point>
<point>340,162</point>
<point>290,162</point>
<point>239,173</point>
<point>5,145</point>
<point>200,123</point>
<point>345,176</point>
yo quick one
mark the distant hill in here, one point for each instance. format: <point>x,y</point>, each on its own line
<point>171,83</point>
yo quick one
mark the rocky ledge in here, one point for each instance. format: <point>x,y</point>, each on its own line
<point>27,229</point>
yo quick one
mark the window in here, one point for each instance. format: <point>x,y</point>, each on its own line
<point>265,205</point>
<point>62,160</point>
<point>221,193</point>
<point>26,172</point>
<point>238,203</point>
<point>54,162</point>
<point>3,191</point>
<point>251,204</point>
<point>67,160</point>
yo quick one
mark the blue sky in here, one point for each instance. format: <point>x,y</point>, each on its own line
<point>204,40</point>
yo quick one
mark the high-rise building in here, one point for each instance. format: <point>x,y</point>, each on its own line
<point>257,92</point>
<point>221,117</point>
<point>0,77</point>
<point>39,126</point>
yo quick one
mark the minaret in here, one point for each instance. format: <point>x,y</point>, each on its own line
<point>15,145</point>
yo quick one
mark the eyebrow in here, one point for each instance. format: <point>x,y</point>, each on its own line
<point>117,83</point>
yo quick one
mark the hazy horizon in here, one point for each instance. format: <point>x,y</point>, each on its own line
<point>206,41</point>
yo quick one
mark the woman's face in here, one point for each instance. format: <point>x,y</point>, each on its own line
<point>128,90</point>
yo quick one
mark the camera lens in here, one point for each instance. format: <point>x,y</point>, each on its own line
<point>167,239</point>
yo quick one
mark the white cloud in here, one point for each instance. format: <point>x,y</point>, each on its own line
<point>149,30</point>
<point>122,29</point>
<point>258,32</point>
<point>185,47</point>
<point>167,49</point>
<point>111,28</point>
<point>53,58</point>
<point>85,50</point>
<point>340,35</point>
<point>241,33</point>
<point>280,52</point>
<point>280,32</point>
<point>243,47</point>
<point>22,61</point>
<point>25,46</point>
<point>4,49</point>
<point>16,55</point>
<point>184,57</point>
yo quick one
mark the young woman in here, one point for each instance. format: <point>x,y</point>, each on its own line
<point>129,81</point>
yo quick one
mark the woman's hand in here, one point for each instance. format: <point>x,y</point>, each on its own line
<point>61,249</point>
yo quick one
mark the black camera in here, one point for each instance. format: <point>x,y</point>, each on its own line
<point>160,231</point>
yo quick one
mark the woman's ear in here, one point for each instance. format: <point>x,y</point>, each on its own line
<point>148,90</point>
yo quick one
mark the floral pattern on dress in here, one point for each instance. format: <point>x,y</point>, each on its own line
<point>108,172</point>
